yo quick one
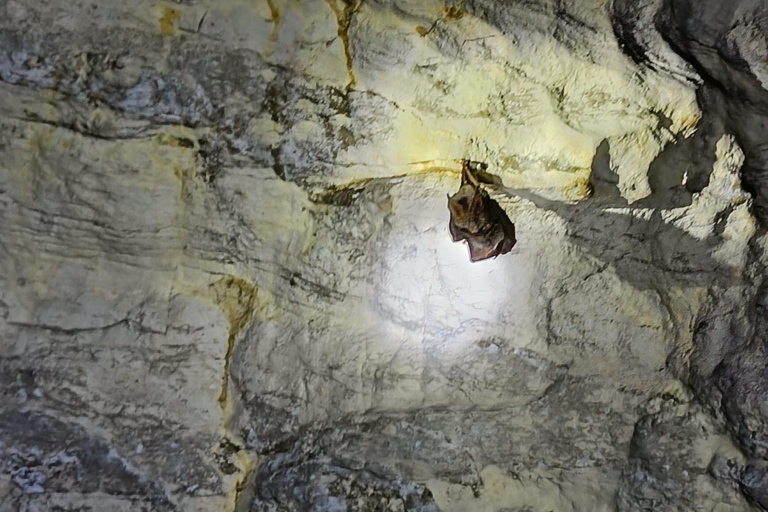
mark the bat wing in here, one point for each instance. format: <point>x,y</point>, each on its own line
<point>479,220</point>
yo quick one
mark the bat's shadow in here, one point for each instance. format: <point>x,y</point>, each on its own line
<point>634,239</point>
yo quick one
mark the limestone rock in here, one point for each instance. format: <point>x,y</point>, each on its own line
<point>227,280</point>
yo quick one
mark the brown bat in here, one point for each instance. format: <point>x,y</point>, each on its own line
<point>479,220</point>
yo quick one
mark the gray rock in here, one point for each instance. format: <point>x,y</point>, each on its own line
<point>227,282</point>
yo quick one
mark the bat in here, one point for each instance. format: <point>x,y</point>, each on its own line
<point>478,219</point>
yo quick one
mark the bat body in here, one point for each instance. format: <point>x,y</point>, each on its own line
<point>479,220</point>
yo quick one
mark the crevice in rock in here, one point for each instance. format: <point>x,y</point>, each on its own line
<point>99,134</point>
<point>275,13</point>
<point>344,16</point>
<point>236,298</point>
<point>339,195</point>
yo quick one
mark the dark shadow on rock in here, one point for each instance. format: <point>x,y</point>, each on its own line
<point>717,46</point>
<point>643,248</point>
<point>684,166</point>
<point>605,182</point>
<point>645,251</point>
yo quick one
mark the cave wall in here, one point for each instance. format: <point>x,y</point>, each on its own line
<point>227,281</point>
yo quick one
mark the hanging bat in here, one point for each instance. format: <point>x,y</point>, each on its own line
<point>478,219</point>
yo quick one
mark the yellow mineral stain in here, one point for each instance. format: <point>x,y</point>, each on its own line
<point>687,124</point>
<point>174,150</point>
<point>246,464</point>
<point>173,158</point>
<point>275,13</point>
<point>449,13</point>
<point>451,165</point>
<point>344,19</point>
<point>167,139</point>
<point>42,139</point>
<point>167,21</point>
<point>453,13</point>
<point>182,174</point>
<point>422,30</point>
<point>580,189</point>
<point>236,298</point>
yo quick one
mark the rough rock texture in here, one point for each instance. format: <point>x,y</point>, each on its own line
<point>227,282</point>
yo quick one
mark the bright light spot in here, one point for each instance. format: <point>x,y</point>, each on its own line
<point>429,286</point>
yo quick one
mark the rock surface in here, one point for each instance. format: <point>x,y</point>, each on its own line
<point>227,282</point>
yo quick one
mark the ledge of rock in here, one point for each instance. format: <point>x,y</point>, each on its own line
<point>227,280</point>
